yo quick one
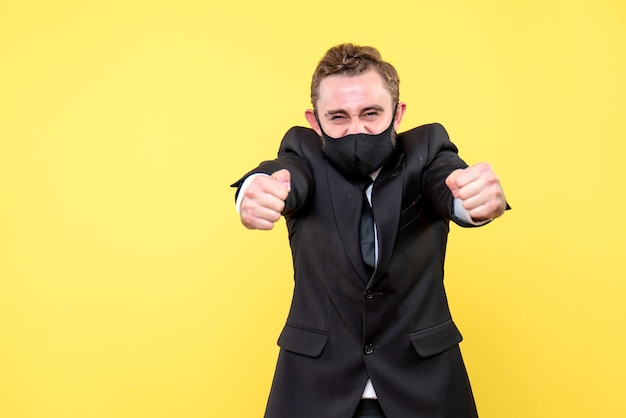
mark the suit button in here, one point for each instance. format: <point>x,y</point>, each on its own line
<point>369,349</point>
<point>369,294</point>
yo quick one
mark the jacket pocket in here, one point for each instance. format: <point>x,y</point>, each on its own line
<point>302,341</point>
<point>437,339</point>
<point>411,213</point>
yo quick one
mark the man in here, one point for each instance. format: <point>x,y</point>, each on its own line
<point>369,332</point>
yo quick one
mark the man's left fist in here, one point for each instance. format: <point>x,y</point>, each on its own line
<point>479,190</point>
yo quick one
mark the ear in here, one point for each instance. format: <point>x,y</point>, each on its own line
<point>400,109</point>
<point>309,114</point>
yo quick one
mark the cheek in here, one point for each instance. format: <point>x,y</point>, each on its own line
<point>377,127</point>
<point>334,131</point>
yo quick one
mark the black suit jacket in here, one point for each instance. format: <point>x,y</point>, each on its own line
<point>345,327</point>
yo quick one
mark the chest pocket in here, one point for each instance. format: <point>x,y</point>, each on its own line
<point>411,213</point>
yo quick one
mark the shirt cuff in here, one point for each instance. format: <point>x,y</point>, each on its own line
<point>463,214</point>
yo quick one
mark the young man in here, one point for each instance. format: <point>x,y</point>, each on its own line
<point>369,332</point>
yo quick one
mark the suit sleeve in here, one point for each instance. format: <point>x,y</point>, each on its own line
<point>292,156</point>
<point>443,159</point>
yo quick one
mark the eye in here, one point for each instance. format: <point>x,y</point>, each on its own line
<point>372,114</point>
<point>337,118</point>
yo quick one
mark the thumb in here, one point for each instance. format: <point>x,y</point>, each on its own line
<point>451,182</point>
<point>283,177</point>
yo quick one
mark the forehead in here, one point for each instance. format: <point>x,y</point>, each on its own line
<point>350,92</point>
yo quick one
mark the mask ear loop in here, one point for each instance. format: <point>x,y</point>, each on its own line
<point>319,123</point>
<point>393,117</point>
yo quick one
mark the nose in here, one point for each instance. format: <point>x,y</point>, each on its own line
<point>356,127</point>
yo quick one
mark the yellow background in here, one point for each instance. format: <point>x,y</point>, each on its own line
<point>128,288</point>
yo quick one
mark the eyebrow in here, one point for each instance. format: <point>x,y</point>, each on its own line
<point>344,112</point>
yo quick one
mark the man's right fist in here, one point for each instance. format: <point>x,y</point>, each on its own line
<point>264,200</point>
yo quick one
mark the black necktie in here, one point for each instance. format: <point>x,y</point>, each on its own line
<point>367,232</point>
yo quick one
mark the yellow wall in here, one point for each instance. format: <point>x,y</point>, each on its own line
<point>127,286</point>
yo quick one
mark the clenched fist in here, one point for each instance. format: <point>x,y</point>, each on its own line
<point>264,200</point>
<point>479,190</point>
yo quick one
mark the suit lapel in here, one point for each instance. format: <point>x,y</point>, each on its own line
<point>346,201</point>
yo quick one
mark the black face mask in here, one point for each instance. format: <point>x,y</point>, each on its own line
<point>359,155</point>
